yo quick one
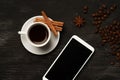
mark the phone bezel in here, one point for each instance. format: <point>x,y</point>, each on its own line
<point>80,41</point>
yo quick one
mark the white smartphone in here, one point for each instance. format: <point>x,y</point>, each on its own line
<point>70,61</point>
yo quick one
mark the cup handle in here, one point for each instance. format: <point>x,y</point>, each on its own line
<point>20,32</point>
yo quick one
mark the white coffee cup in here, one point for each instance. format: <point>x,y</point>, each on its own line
<point>38,34</point>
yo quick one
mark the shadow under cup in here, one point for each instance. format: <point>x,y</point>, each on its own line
<point>39,34</point>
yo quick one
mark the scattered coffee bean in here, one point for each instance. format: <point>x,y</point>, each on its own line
<point>85,9</point>
<point>108,12</point>
<point>109,34</point>
<point>114,22</point>
<point>113,7</point>
<point>103,6</point>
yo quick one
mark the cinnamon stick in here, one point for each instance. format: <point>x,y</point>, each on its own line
<point>55,23</point>
<point>48,22</point>
<point>58,28</point>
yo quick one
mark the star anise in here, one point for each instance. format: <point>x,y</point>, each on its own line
<point>78,21</point>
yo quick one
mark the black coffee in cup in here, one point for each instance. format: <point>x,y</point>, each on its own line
<point>38,33</point>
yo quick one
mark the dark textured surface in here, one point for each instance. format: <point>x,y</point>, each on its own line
<point>18,64</point>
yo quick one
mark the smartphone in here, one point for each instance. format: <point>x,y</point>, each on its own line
<point>70,61</point>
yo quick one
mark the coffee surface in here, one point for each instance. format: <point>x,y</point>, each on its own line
<point>38,34</point>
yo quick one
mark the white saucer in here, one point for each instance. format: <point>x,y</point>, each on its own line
<point>36,50</point>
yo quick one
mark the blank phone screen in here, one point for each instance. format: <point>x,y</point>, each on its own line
<point>69,62</point>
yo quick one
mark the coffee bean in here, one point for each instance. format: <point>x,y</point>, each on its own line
<point>102,18</point>
<point>94,15</point>
<point>98,22</point>
<point>85,9</point>
<point>113,7</point>
<point>98,26</point>
<point>100,11</point>
<point>95,22</point>
<point>103,6</point>
<point>105,16</point>
<point>114,22</point>
<point>104,41</point>
<point>99,18</point>
<point>108,12</point>
<point>109,34</point>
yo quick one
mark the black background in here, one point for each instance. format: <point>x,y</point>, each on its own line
<point>18,64</point>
